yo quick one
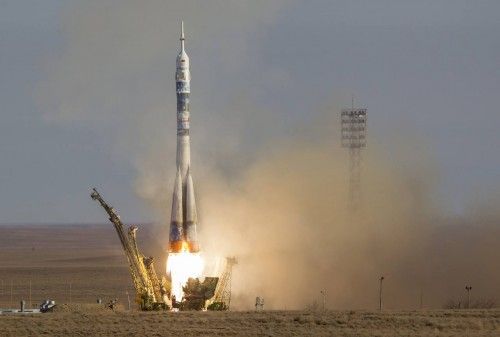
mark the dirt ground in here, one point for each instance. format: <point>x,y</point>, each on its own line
<point>93,321</point>
<point>76,264</point>
<point>67,263</point>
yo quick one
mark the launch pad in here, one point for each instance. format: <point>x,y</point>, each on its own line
<point>153,293</point>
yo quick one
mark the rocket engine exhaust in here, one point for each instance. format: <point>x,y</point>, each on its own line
<point>181,266</point>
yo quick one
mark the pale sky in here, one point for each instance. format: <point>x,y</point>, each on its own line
<point>87,88</point>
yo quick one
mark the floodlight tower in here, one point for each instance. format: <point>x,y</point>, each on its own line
<point>353,137</point>
<point>468,288</point>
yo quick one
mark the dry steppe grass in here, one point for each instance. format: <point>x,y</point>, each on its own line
<point>91,320</point>
<point>90,259</point>
<point>54,259</point>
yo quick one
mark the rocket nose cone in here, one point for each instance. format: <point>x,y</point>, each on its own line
<point>182,60</point>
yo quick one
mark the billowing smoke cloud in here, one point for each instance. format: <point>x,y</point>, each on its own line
<point>270,193</point>
<point>288,220</point>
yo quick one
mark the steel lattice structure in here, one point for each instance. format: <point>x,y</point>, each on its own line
<point>353,137</point>
<point>223,291</point>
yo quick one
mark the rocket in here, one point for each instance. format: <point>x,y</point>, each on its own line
<point>183,217</point>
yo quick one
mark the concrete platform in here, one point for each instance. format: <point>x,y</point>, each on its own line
<point>18,311</point>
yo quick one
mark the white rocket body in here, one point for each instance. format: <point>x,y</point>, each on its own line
<point>184,217</point>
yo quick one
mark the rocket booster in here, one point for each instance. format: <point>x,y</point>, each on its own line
<point>191,218</point>
<point>176,222</point>
<point>184,217</point>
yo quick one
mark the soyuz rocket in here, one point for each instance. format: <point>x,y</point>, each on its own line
<point>184,217</point>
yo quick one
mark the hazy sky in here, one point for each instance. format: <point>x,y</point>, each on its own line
<point>87,88</point>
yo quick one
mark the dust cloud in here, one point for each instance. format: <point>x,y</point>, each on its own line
<point>272,193</point>
<point>286,216</point>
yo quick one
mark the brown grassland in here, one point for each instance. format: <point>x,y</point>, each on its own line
<point>79,263</point>
<point>93,321</point>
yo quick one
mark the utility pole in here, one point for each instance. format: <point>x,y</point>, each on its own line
<point>11,291</point>
<point>468,288</point>
<point>128,299</point>
<point>380,294</point>
<point>323,293</point>
<point>70,293</point>
<point>421,298</point>
<point>31,303</point>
